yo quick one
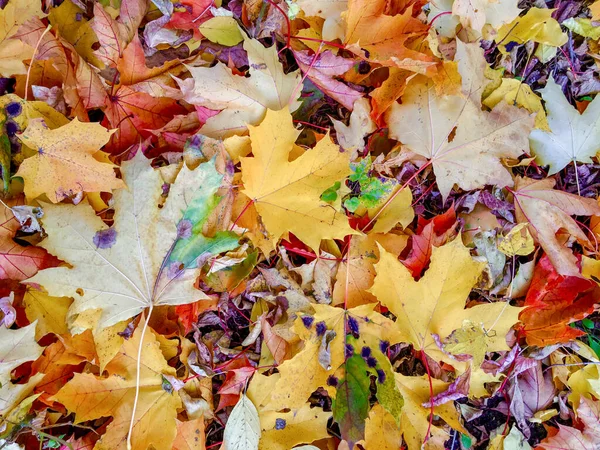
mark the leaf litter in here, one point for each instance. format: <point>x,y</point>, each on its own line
<point>274,225</point>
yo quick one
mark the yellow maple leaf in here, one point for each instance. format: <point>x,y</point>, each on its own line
<point>356,272</point>
<point>302,374</point>
<point>287,194</point>
<point>16,347</point>
<point>436,303</point>
<point>537,26</point>
<point>414,421</point>
<point>14,51</point>
<point>381,430</point>
<point>64,165</point>
<point>515,92</point>
<point>50,312</point>
<point>518,241</point>
<point>91,397</point>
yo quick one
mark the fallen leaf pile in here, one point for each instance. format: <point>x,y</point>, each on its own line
<point>299,224</point>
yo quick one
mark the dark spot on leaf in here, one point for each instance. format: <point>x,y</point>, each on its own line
<point>307,321</point>
<point>280,424</point>
<point>321,328</point>
<point>105,238</point>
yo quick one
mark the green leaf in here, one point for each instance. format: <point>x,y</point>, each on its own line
<point>330,194</point>
<point>587,323</point>
<point>191,243</point>
<point>351,404</point>
<point>466,441</point>
<point>387,392</point>
<point>352,204</point>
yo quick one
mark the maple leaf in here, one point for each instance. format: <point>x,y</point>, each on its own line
<point>331,11</point>
<point>304,373</point>
<point>414,421</point>
<point>554,301</point>
<point>16,261</point>
<point>356,273</point>
<point>190,435</point>
<point>585,437</point>
<point>64,165</point>
<point>91,397</point>
<point>63,57</point>
<point>124,269</point>
<point>383,36</point>
<point>49,312</point>
<point>114,35</point>
<point>241,101</point>
<point>381,430</point>
<point>573,136</point>
<point>14,51</point>
<point>287,195</point>
<point>69,19</point>
<point>351,403</point>
<point>436,303</point>
<point>16,347</point>
<point>549,211</point>
<point>536,25</point>
<point>463,143</point>
<point>133,113</point>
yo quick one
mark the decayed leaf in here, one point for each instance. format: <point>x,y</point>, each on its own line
<point>16,261</point>
<point>549,211</point>
<point>14,51</point>
<point>16,347</point>
<point>436,303</point>
<point>242,431</point>
<point>124,269</point>
<point>242,101</point>
<point>64,165</point>
<point>573,136</point>
<point>91,397</point>
<point>463,143</point>
<point>287,195</point>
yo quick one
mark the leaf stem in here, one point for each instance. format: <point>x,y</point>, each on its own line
<point>33,58</point>
<point>137,376</point>
<point>431,412</point>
